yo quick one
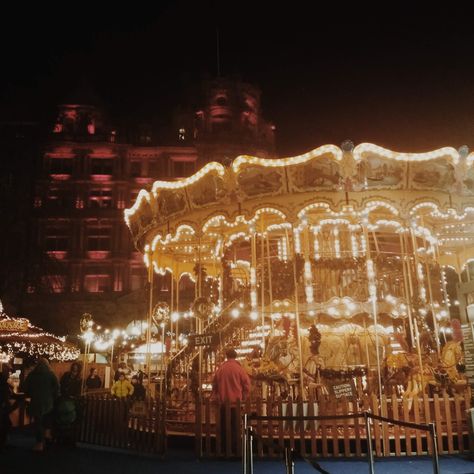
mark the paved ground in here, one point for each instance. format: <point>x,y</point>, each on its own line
<point>19,459</point>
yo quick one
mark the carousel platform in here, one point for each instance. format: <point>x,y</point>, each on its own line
<point>18,459</point>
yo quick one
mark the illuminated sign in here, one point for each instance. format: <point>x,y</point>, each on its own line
<point>14,325</point>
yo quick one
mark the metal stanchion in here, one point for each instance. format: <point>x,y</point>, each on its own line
<point>289,461</point>
<point>250,450</point>
<point>435,448</point>
<point>370,453</point>
<point>244,445</point>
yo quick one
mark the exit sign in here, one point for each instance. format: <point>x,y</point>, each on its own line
<point>204,340</point>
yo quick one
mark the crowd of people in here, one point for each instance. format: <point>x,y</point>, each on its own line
<point>54,405</point>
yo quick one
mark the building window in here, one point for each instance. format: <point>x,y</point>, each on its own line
<point>100,198</point>
<point>135,169</point>
<point>182,134</point>
<point>58,197</point>
<point>138,278</point>
<point>99,238</point>
<point>53,283</point>
<point>57,239</point>
<point>182,169</point>
<point>97,283</point>
<point>102,166</point>
<point>153,169</point>
<point>133,196</point>
<point>61,166</point>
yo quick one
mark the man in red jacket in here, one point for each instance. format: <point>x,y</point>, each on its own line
<point>231,383</point>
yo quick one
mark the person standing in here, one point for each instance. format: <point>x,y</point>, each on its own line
<point>122,388</point>
<point>139,391</point>
<point>42,386</point>
<point>6,395</point>
<point>71,382</point>
<point>93,382</point>
<point>231,384</point>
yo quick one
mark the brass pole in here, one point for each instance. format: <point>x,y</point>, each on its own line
<point>373,298</point>
<point>410,282</point>
<point>262,249</point>
<point>149,319</point>
<point>430,293</point>
<point>270,287</point>
<point>297,313</point>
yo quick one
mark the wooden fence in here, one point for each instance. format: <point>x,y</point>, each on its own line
<point>123,424</point>
<point>218,428</point>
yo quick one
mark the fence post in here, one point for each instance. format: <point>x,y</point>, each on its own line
<point>370,453</point>
<point>289,462</point>
<point>244,445</point>
<point>435,448</point>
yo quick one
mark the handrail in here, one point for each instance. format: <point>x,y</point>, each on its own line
<point>431,428</point>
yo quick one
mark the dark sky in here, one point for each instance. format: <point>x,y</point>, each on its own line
<point>402,77</point>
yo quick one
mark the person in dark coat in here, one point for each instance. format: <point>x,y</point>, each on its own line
<point>93,381</point>
<point>42,386</point>
<point>71,382</point>
<point>6,407</point>
<point>139,392</point>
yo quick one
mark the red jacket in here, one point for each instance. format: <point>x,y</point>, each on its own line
<point>231,382</point>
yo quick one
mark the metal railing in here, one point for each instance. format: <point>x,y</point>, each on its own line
<point>248,435</point>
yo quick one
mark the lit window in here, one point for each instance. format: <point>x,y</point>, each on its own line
<point>57,239</point>
<point>137,279</point>
<point>99,238</point>
<point>135,169</point>
<point>59,197</point>
<point>97,283</point>
<point>100,198</point>
<point>53,283</point>
<point>102,166</point>
<point>183,169</point>
<point>182,134</point>
<point>61,166</point>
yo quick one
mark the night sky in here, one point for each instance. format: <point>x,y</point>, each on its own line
<point>403,78</point>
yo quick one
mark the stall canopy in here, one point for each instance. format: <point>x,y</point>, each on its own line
<point>19,336</point>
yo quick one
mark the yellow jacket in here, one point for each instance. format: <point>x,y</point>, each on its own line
<point>122,388</point>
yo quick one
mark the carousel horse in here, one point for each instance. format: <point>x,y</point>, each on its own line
<point>279,364</point>
<point>403,370</point>
<point>445,374</point>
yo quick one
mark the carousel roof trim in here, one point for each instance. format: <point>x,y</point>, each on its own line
<point>362,148</point>
<point>293,160</point>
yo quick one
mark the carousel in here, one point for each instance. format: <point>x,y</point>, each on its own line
<point>338,264</point>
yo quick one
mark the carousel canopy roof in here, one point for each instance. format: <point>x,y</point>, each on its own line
<point>432,191</point>
<point>18,335</point>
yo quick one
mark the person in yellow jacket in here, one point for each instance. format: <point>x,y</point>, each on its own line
<point>122,388</point>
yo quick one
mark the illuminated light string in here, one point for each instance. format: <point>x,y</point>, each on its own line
<point>364,148</point>
<point>437,212</point>
<point>349,210</point>
<point>337,153</point>
<point>220,219</point>
<point>185,229</point>
<point>182,229</point>
<point>281,162</point>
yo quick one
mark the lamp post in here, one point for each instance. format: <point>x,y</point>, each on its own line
<point>85,325</point>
